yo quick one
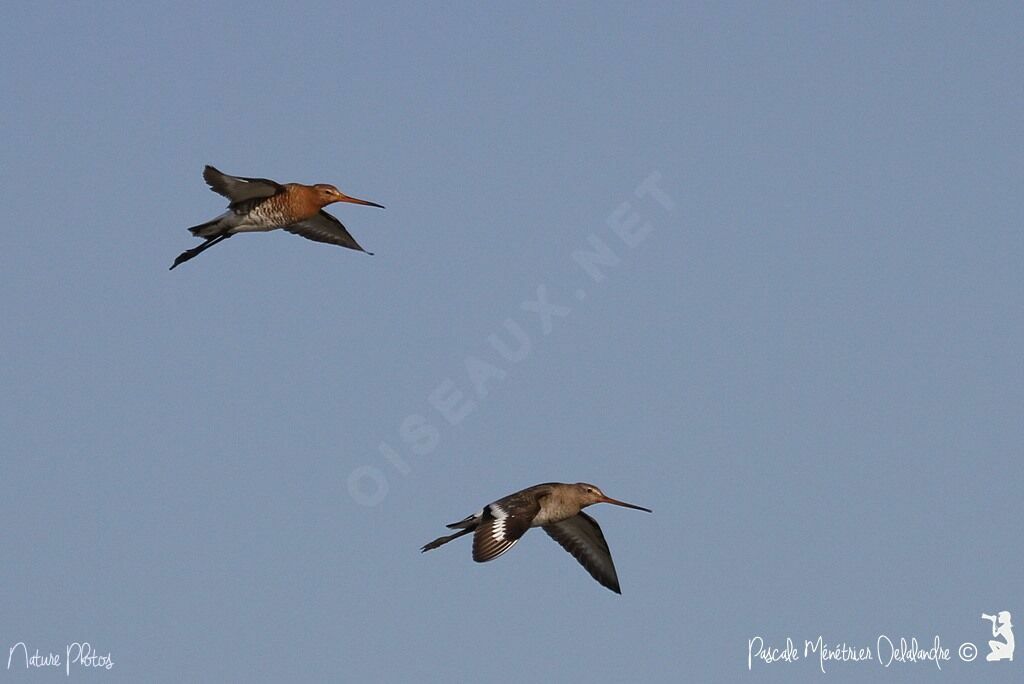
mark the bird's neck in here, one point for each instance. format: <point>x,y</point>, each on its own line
<point>554,508</point>
<point>301,201</point>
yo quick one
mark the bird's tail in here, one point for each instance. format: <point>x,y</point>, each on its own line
<point>447,538</point>
<point>470,521</point>
<point>209,229</point>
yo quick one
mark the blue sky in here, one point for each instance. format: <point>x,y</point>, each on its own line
<point>806,357</point>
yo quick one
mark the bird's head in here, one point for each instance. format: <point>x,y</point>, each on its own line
<point>328,194</point>
<point>591,494</point>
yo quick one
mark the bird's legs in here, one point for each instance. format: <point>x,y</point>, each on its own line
<point>195,251</point>
<point>444,540</point>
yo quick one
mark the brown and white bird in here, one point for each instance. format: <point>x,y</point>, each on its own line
<point>259,205</point>
<point>554,506</point>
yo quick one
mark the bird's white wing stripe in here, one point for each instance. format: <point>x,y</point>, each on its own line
<point>498,527</point>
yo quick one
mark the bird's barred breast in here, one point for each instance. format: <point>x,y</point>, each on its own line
<point>265,216</point>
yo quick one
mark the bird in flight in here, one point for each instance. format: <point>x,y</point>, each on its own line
<point>259,205</point>
<point>554,506</point>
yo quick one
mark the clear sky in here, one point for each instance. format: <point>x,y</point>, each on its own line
<point>802,348</point>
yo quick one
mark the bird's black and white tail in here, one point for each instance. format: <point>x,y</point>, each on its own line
<point>209,229</point>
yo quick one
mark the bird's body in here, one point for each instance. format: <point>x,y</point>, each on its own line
<point>554,506</point>
<point>259,205</point>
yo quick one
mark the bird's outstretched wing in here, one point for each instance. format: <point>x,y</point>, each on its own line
<point>501,526</point>
<point>581,536</point>
<point>325,228</point>
<point>238,189</point>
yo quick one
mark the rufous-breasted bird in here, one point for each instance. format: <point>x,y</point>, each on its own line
<point>554,506</point>
<point>259,205</point>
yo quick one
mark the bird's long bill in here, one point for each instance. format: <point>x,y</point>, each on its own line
<point>345,198</point>
<point>625,505</point>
